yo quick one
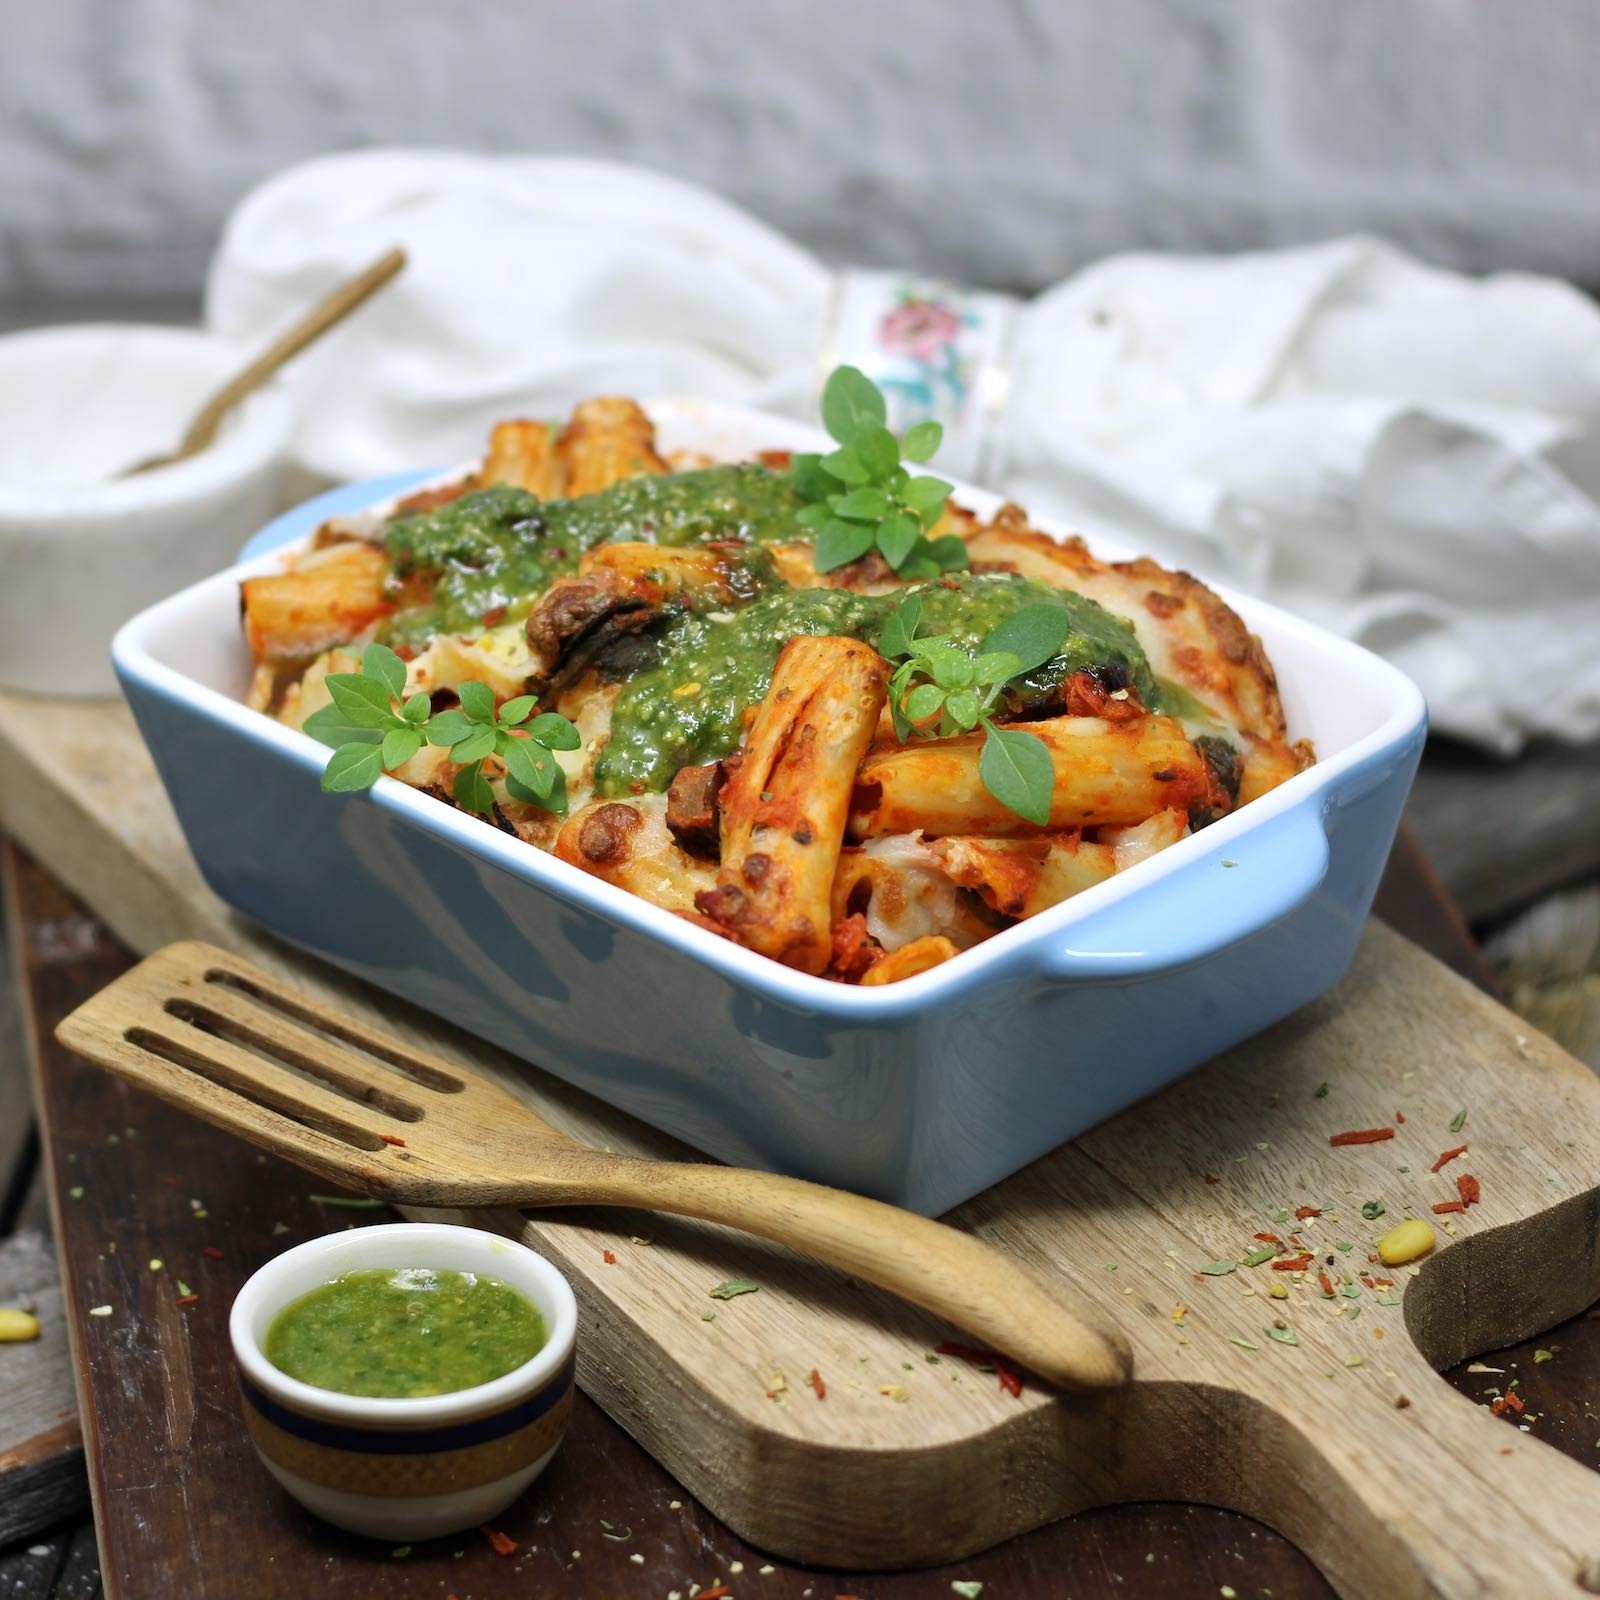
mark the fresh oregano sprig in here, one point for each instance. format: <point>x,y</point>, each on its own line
<point>374,729</point>
<point>859,496</point>
<point>941,688</point>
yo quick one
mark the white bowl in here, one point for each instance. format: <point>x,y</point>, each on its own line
<point>83,550</point>
<point>406,1469</point>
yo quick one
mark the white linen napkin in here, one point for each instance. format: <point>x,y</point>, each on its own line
<point>1403,454</point>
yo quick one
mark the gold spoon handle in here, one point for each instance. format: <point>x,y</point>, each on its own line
<point>326,314</point>
<point>1004,1302</point>
<point>323,316</point>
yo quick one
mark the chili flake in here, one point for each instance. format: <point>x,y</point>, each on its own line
<point>392,1138</point>
<point>1211,1177</point>
<point>498,1542</point>
<point>1361,1136</point>
<point>815,1380</point>
<point>1442,1207</point>
<point>1302,1212</point>
<point>609,1257</point>
<point>1293,1263</point>
<point>1470,1189</point>
<point>1449,1155</point>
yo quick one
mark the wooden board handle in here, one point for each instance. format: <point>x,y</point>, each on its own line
<point>992,1295</point>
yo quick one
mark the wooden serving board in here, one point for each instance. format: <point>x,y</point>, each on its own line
<point>908,1461</point>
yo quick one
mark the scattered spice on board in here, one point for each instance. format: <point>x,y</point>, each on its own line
<point>815,1380</point>
<point>1459,1120</point>
<point>1301,1213</point>
<point>1444,1207</point>
<point>1361,1136</point>
<point>1243,1344</point>
<point>1211,1177</point>
<point>1449,1155</point>
<point>187,1300</point>
<point>500,1543</point>
<point>1373,1209</point>
<point>732,1287</point>
<point>777,1386</point>
<point>1470,1190</point>
<point>1256,1257</point>
<point>393,1138</point>
<point>1218,1269</point>
<point>1542,1355</point>
<point>609,1257</point>
<point>895,1392</point>
<point>1327,1284</point>
<point>1293,1263</point>
<point>1320,1092</point>
<point>1283,1334</point>
<point>1400,1117</point>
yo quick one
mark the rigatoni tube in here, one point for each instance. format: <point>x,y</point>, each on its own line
<point>784,807</point>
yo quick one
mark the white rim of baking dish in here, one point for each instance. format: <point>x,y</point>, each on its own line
<point>1043,938</point>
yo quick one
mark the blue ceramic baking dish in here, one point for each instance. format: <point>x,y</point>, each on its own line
<point>921,1092</point>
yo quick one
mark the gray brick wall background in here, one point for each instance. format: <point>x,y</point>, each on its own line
<point>1003,143</point>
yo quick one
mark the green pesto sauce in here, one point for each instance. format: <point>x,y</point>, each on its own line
<point>687,709</point>
<point>402,1334</point>
<point>501,547</point>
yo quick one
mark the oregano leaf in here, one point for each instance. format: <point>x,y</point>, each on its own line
<point>924,702</point>
<point>379,662</point>
<point>478,744</point>
<point>925,492</point>
<point>866,504</point>
<point>554,732</point>
<point>472,790</point>
<point>477,700</point>
<point>450,727</point>
<point>531,765</point>
<point>847,466</point>
<point>517,710</point>
<point>1017,770</point>
<point>963,709</point>
<point>897,537</point>
<point>949,553</point>
<point>921,440</point>
<point>351,768</point>
<point>328,724</point>
<point>900,628</point>
<point>417,708</point>
<point>363,701</point>
<point>850,402</point>
<point>1034,635</point>
<point>840,543</point>
<point>878,450</point>
<point>811,480</point>
<point>399,745</point>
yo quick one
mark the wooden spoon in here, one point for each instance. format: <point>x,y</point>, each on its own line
<point>224,1040</point>
<point>327,313</point>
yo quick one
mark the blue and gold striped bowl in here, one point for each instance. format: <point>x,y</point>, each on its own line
<point>406,1469</point>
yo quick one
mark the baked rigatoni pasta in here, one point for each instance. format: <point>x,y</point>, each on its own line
<point>738,757</point>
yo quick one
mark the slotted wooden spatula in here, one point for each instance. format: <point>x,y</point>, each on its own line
<point>224,1040</point>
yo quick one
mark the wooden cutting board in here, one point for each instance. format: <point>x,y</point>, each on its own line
<point>1344,1440</point>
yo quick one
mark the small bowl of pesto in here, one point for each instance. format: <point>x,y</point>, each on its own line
<point>406,1381</point>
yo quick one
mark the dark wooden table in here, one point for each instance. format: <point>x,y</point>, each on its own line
<point>185,1510</point>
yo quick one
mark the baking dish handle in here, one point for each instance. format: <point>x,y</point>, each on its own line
<point>1238,890</point>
